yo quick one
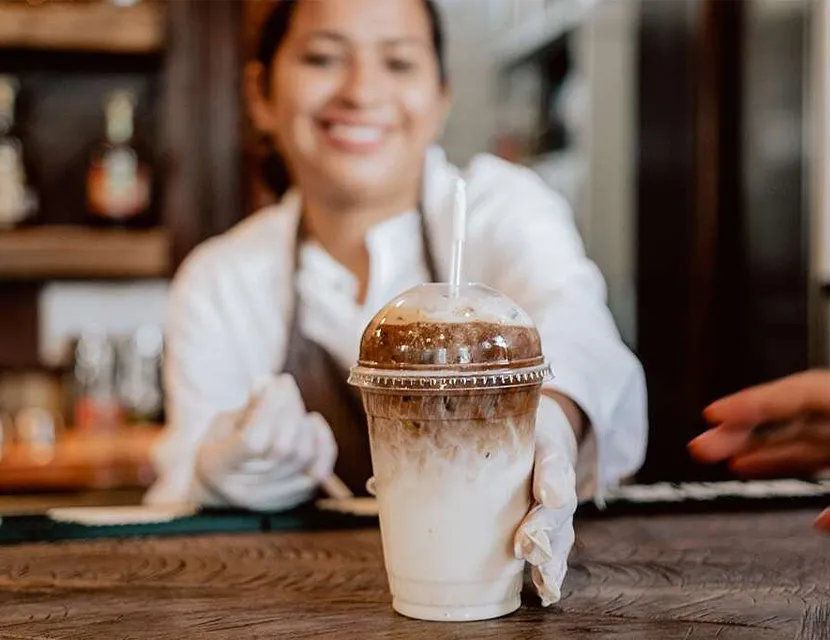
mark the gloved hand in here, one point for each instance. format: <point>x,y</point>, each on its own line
<point>546,535</point>
<point>270,455</point>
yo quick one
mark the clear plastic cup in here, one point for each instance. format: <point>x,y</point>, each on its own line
<point>451,387</point>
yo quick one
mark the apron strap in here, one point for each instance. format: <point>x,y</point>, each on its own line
<point>429,256</point>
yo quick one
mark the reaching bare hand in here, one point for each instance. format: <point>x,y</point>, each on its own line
<point>774,429</point>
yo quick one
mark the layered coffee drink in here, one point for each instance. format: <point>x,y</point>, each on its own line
<point>451,386</point>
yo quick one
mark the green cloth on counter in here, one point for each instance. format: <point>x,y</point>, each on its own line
<point>17,529</point>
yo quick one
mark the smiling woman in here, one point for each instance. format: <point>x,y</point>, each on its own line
<point>266,320</point>
<point>352,92</point>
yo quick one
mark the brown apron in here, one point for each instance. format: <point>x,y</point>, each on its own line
<point>324,389</point>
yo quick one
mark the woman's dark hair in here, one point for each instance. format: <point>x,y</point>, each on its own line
<point>272,35</point>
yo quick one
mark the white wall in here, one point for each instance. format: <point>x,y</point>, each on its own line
<point>608,58</point>
<point>68,308</point>
<point>472,122</point>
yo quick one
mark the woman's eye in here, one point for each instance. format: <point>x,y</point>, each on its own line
<point>400,66</point>
<point>320,59</point>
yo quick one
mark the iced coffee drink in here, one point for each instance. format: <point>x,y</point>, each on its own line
<point>451,386</point>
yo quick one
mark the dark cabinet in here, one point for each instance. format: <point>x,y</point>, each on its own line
<point>723,259</point>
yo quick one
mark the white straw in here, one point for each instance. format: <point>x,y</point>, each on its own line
<point>459,232</point>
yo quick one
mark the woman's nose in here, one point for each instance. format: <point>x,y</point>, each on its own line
<point>364,85</point>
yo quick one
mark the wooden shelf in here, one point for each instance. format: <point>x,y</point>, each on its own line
<point>57,252</point>
<point>81,462</point>
<point>83,26</point>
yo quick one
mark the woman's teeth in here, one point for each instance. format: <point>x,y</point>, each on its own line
<point>357,134</point>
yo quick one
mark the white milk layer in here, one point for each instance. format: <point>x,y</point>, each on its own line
<point>448,520</point>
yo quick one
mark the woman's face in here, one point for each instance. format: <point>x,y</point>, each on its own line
<point>356,96</point>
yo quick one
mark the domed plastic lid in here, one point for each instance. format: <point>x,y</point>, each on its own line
<point>426,339</point>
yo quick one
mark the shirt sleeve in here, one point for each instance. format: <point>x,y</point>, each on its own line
<point>524,240</point>
<point>203,376</point>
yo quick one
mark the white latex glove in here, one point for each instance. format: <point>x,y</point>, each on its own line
<point>546,535</point>
<point>270,455</point>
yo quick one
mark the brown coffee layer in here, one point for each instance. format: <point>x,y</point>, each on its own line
<point>450,426</point>
<point>473,345</point>
<point>484,405</point>
<point>421,444</point>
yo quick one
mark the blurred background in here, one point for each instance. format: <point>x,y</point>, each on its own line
<point>690,136</point>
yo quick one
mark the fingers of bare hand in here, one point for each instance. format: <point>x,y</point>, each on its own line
<point>719,444</point>
<point>823,522</point>
<point>807,392</point>
<point>799,457</point>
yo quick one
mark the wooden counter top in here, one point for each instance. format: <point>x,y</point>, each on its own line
<point>753,576</point>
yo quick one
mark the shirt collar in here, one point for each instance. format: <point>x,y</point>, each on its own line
<point>391,245</point>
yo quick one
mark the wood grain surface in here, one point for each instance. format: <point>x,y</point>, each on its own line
<point>741,577</point>
<point>82,26</point>
<point>64,251</point>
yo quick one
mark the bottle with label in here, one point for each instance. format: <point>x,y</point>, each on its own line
<point>119,179</point>
<point>18,200</point>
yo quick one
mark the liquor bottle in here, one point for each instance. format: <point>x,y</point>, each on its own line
<point>97,407</point>
<point>138,376</point>
<point>18,200</point>
<point>119,179</point>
